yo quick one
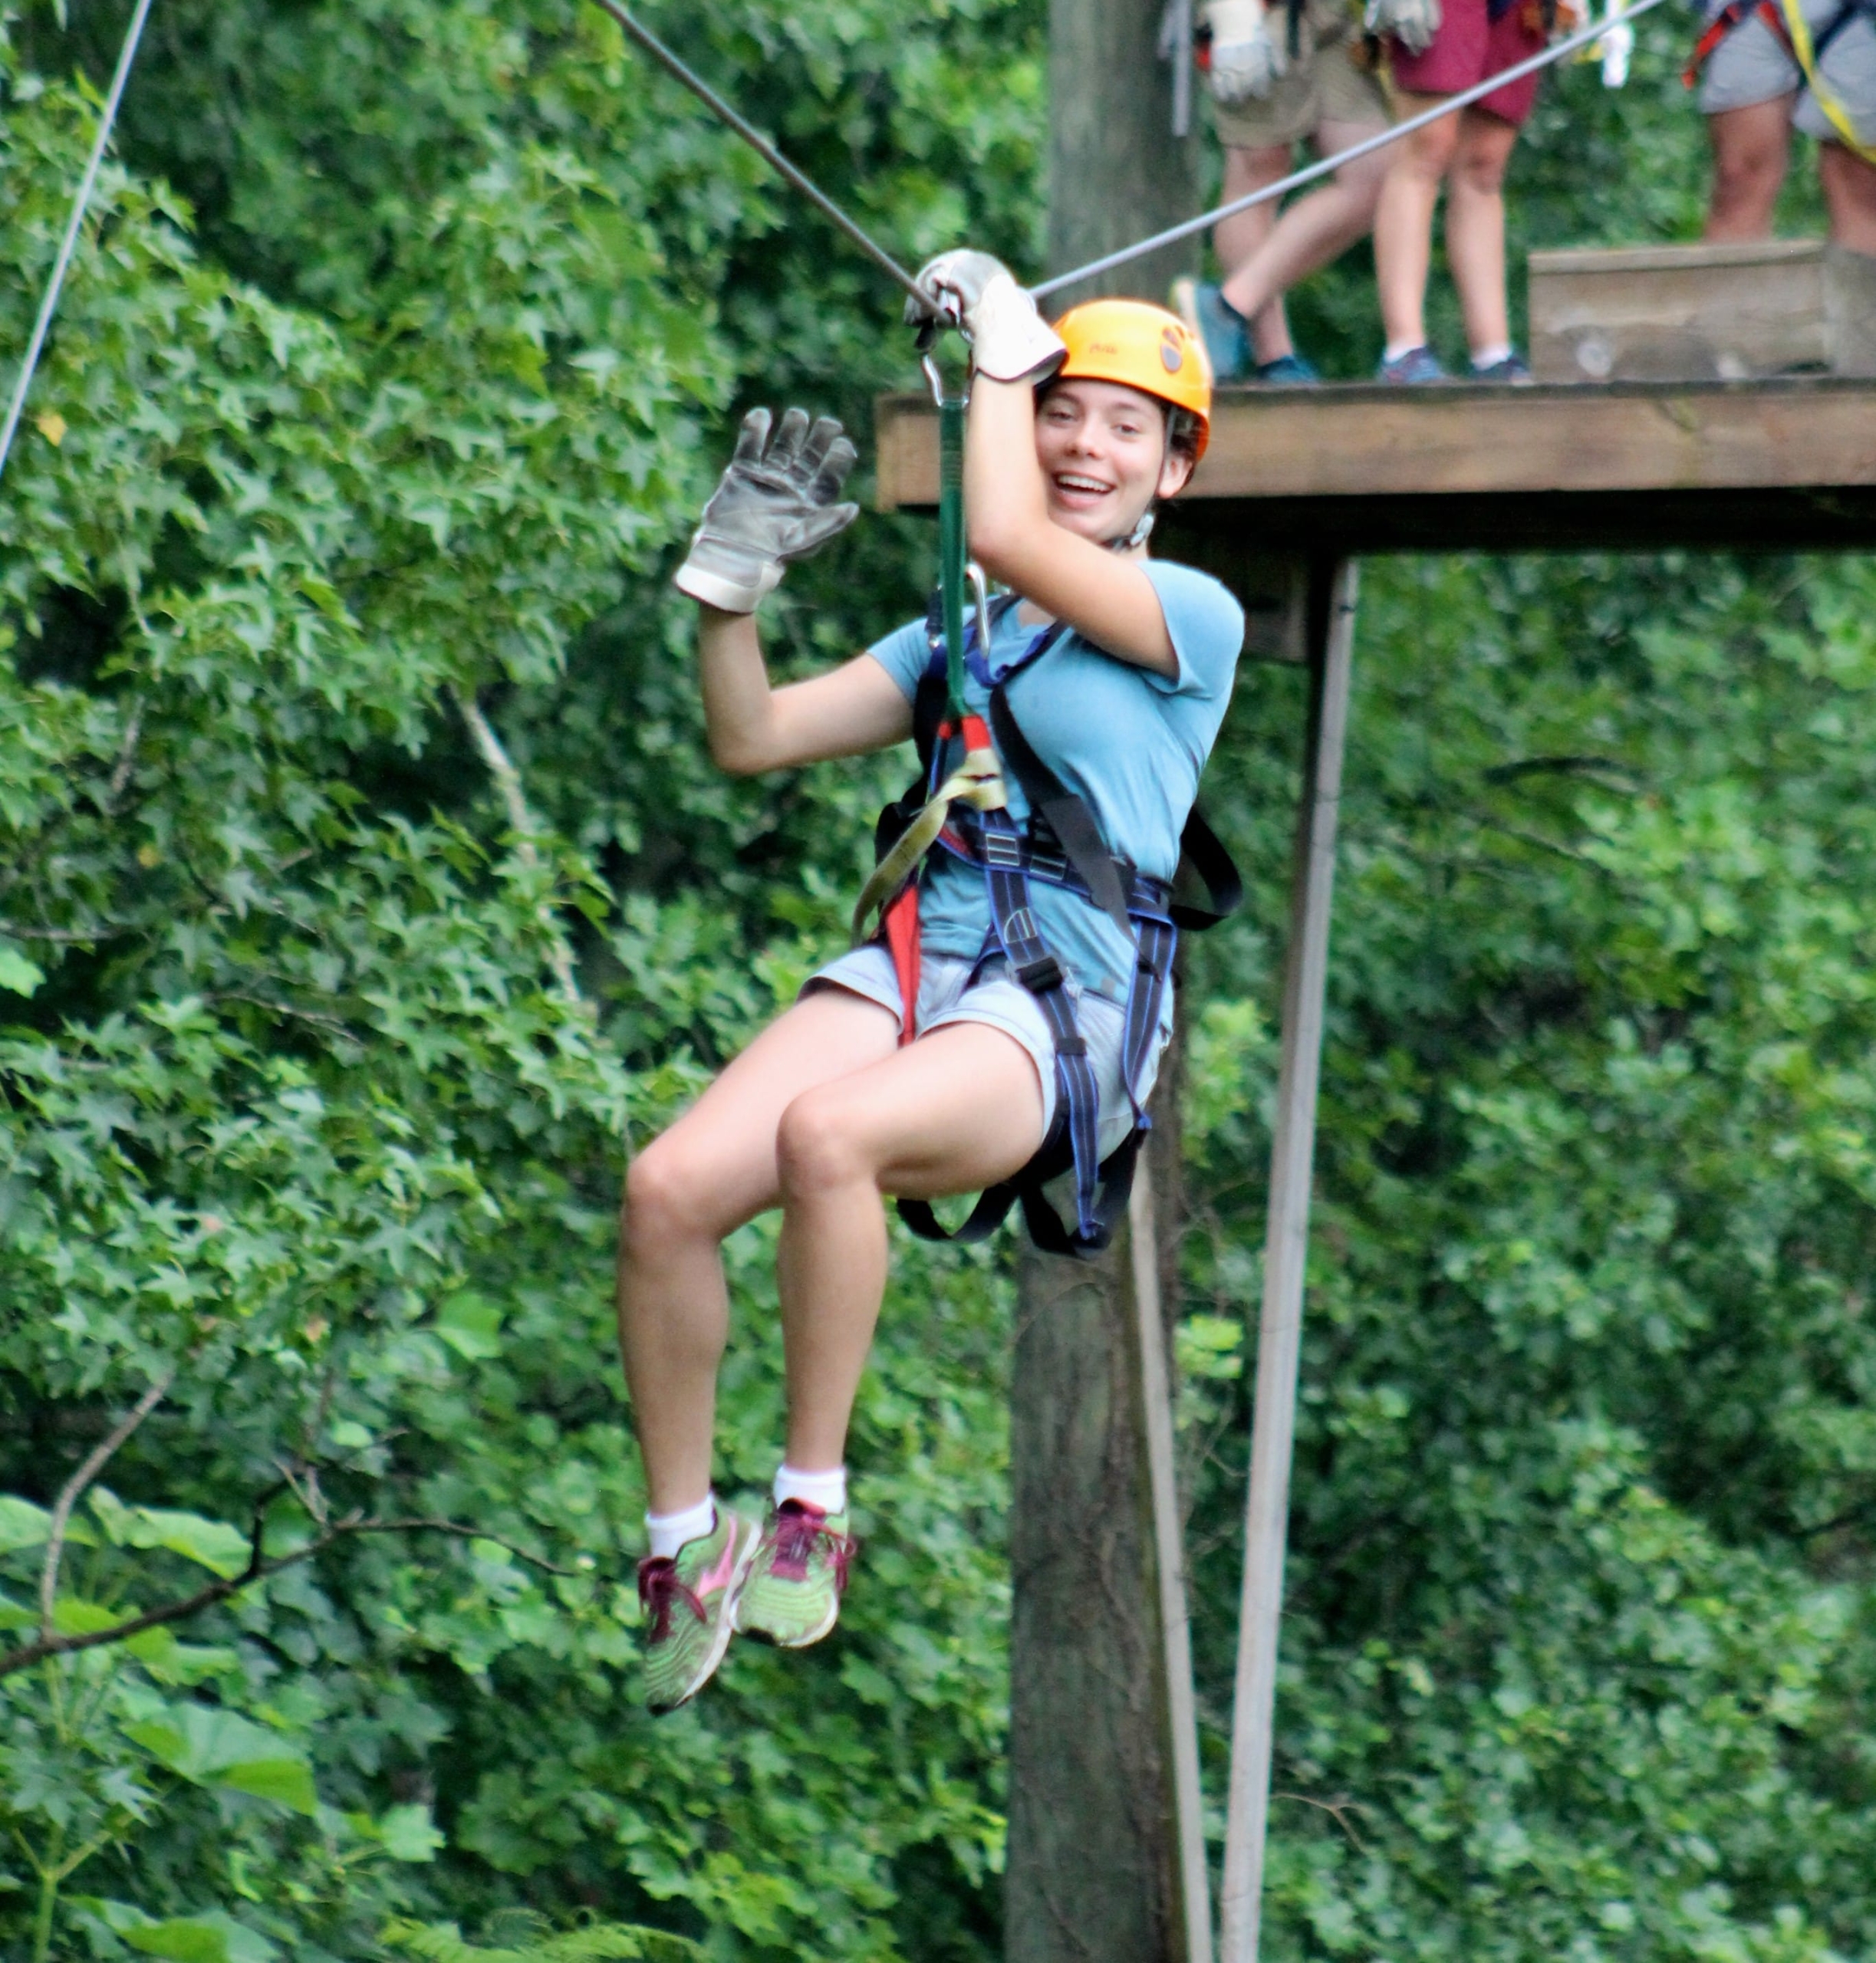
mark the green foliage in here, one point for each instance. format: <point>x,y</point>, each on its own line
<point>440,1943</point>
<point>391,373</point>
<point>1580,1597</point>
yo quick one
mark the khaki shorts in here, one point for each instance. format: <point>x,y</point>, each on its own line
<point>1321,85</point>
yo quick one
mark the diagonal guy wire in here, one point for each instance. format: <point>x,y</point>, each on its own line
<point>80,204</point>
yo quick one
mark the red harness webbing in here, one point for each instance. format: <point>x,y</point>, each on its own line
<point>1735,14</point>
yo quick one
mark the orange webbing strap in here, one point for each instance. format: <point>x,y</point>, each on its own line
<point>1735,16</point>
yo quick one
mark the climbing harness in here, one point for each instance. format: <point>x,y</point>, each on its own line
<point>962,809</point>
<point>1786,20</point>
<point>1060,845</point>
<point>81,203</point>
<point>1191,227</point>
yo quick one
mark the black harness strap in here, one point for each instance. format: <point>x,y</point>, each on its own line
<point>1062,846</point>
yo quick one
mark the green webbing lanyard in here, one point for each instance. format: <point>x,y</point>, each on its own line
<point>951,573</point>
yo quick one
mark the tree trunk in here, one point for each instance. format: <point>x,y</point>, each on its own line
<point>1091,1873</point>
<point>1092,1870</point>
<point>1117,173</point>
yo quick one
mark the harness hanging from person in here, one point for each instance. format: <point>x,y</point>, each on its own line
<point>1062,845</point>
<point>1786,19</point>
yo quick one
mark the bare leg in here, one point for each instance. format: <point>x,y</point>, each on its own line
<point>960,1110</point>
<point>1237,240</point>
<point>1474,225</point>
<point>1850,191</point>
<point>1314,230</point>
<point>1751,146</point>
<point>1404,220</point>
<point>715,1169</point>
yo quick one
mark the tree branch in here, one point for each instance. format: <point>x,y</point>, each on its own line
<point>259,1568</point>
<point>126,757</point>
<point>1561,766</point>
<point>73,1490</point>
<point>521,821</point>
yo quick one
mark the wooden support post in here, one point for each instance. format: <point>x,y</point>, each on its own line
<point>1169,1547</point>
<point>1332,611</point>
<point>1093,1870</point>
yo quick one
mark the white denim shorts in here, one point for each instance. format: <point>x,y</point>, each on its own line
<point>998,999</point>
<point>1752,64</point>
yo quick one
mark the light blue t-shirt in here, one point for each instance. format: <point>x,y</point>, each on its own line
<point>1130,742</point>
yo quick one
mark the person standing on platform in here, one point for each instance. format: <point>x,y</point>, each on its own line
<point>1278,79</point>
<point>1439,48</point>
<point>1766,70</point>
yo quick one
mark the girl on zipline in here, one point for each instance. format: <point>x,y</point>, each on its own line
<point>1026,1007</point>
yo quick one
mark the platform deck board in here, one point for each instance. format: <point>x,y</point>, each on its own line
<point>1786,464</point>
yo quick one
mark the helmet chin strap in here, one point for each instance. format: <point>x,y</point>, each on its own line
<point>1138,536</point>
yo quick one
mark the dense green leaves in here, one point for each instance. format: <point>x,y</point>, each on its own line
<point>390,376</point>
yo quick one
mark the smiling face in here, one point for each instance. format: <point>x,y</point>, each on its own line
<point>1104,456</point>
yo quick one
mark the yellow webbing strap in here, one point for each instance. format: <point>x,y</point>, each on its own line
<point>1840,118</point>
<point>977,781</point>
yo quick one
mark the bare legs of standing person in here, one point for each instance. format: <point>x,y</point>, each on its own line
<point>1752,151</point>
<point>1752,146</point>
<point>1269,253</point>
<point>1850,192</point>
<point>1469,153</point>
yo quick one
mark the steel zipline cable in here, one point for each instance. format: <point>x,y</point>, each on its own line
<point>1583,37</point>
<point>673,66</point>
<point>644,38</point>
<point>763,148</point>
<point>80,204</point>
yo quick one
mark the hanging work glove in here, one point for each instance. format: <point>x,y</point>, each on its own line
<point>775,502</point>
<point>1009,340</point>
<point>1245,59</point>
<point>1413,23</point>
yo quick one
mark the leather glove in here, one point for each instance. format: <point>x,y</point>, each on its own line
<point>1008,339</point>
<point>1413,23</point>
<point>1247,59</point>
<point>774,503</point>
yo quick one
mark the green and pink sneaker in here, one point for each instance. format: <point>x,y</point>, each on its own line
<point>690,1602</point>
<point>792,1597</point>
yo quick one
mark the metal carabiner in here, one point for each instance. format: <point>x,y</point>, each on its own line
<point>981,587</point>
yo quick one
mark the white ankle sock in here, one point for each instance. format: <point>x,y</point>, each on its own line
<point>1489,357</point>
<point>826,1490</point>
<point>1395,349</point>
<point>670,1531</point>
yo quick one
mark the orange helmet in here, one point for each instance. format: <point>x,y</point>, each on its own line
<point>1140,346</point>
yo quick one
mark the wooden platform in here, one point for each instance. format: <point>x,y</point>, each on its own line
<point>1780,464</point>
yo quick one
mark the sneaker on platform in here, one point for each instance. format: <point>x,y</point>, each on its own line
<point>1419,364</point>
<point>1202,307</point>
<point>792,1597</point>
<point>1289,371</point>
<point>1513,369</point>
<point>690,1601</point>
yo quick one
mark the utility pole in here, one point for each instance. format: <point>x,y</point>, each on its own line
<point>1094,1869</point>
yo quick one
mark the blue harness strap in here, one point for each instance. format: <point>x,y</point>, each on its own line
<point>1010,857</point>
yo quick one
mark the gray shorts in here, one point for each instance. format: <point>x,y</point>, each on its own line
<point>1004,1004</point>
<point>1752,64</point>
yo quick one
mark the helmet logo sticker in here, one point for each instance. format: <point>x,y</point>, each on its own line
<point>1171,355</point>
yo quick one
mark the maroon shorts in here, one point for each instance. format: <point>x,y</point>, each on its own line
<point>1469,48</point>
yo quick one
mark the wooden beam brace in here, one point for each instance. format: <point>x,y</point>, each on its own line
<point>1169,1547</point>
<point>1286,1249</point>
